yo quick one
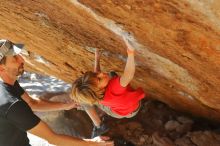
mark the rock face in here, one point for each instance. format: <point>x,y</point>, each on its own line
<point>177,44</point>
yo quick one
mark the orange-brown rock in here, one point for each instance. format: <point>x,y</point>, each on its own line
<point>177,43</point>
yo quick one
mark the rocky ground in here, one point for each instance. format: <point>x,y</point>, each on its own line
<point>158,125</point>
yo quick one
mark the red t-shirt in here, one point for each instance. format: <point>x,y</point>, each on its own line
<point>121,100</point>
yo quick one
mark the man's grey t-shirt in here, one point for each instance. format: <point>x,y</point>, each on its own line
<point>16,117</point>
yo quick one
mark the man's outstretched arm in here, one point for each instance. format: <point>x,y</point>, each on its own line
<point>42,130</point>
<point>43,105</point>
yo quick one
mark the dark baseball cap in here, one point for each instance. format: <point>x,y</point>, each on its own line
<point>8,48</point>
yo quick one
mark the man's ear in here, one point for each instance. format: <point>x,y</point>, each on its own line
<point>2,68</point>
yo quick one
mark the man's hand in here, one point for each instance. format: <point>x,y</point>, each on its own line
<point>71,105</point>
<point>100,141</point>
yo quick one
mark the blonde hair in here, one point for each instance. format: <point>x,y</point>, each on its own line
<point>85,90</point>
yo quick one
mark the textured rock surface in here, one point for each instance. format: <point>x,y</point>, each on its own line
<point>177,43</point>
